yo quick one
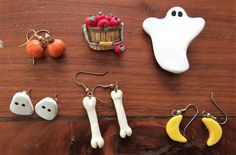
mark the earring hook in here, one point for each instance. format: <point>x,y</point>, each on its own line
<point>28,91</point>
<point>178,112</point>
<point>113,86</point>
<point>89,73</point>
<point>56,96</point>
<point>35,34</point>
<point>206,114</point>
<point>89,91</point>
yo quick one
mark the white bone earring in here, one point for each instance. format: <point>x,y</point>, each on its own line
<point>21,103</point>
<point>47,108</point>
<point>89,103</point>
<point>117,97</point>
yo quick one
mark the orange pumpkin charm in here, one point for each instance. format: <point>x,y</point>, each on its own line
<point>56,48</point>
<point>34,49</point>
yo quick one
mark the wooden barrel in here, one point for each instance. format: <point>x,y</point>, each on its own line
<point>103,39</point>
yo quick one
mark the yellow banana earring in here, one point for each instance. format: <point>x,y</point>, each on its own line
<point>172,126</point>
<point>213,125</point>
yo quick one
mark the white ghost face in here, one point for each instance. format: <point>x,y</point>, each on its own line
<point>171,37</point>
<point>21,104</point>
<point>47,108</point>
<point>176,13</point>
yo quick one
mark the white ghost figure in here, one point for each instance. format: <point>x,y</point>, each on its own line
<point>47,108</point>
<point>21,104</point>
<point>171,37</point>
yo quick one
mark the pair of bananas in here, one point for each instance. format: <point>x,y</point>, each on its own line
<point>215,130</point>
<point>211,123</point>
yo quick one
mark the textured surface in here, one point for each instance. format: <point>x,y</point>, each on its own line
<point>149,92</point>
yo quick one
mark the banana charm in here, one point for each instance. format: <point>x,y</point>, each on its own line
<point>172,126</point>
<point>213,125</point>
<point>215,130</point>
<point>172,129</point>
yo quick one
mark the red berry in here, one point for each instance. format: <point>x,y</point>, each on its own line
<point>115,21</point>
<point>99,16</point>
<point>109,16</point>
<point>90,21</point>
<point>103,23</point>
<point>120,48</point>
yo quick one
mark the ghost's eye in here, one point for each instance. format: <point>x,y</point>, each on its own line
<point>43,107</point>
<point>180,14</point>
<point>49,110</point>
<point>16,103</point>
<point>23,105</point>
<point>173,13</point>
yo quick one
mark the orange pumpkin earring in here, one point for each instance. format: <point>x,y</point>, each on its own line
<point>56,47</point>
<point>36,45</point>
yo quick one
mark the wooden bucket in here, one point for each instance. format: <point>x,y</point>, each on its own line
<point>103,39</point>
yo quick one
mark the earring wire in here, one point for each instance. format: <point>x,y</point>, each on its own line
<point>113,86</point>
<point>178,112</point>
<point>35,34</point>
<point>89,91</point>
<point>28,91</point>
<point>206,114</point>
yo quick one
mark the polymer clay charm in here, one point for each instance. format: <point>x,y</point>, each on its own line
<point>171,37</point>
<point>104,32</point>
<point>21,104</point>
<point>125,129</point>
<point>173,124</point>
<point>214,128</point>
<point>89,104</point>
<point>37,45</point>
<point>213,124</point>
<point>47,108</point>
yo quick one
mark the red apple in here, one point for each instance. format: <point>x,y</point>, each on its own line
<point>100,16</point>
<point>115,21</point>
<point>120,48</point>
<point>90,21</point>
<point>103,23</point>
<point>109,16</point>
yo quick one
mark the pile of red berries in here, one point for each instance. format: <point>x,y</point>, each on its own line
<point>101,20</point>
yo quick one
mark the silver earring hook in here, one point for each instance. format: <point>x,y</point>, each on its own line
<point>207,114</point>
<point>178,112</point>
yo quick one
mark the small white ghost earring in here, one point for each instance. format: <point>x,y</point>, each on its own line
<point>89,103</point>
<point>21,103</point>
<point>117,97</point>
<point>47,108</point>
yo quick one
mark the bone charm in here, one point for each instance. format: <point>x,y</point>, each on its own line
<point>125,130</point>
<point>90,104</point>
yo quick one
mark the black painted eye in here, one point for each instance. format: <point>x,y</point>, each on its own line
<point>180,14</point>
<point>16,103</point>
<point>49,110</point>
<point>43,107</point>
<point>173,13</point>
<point>23,105</point>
